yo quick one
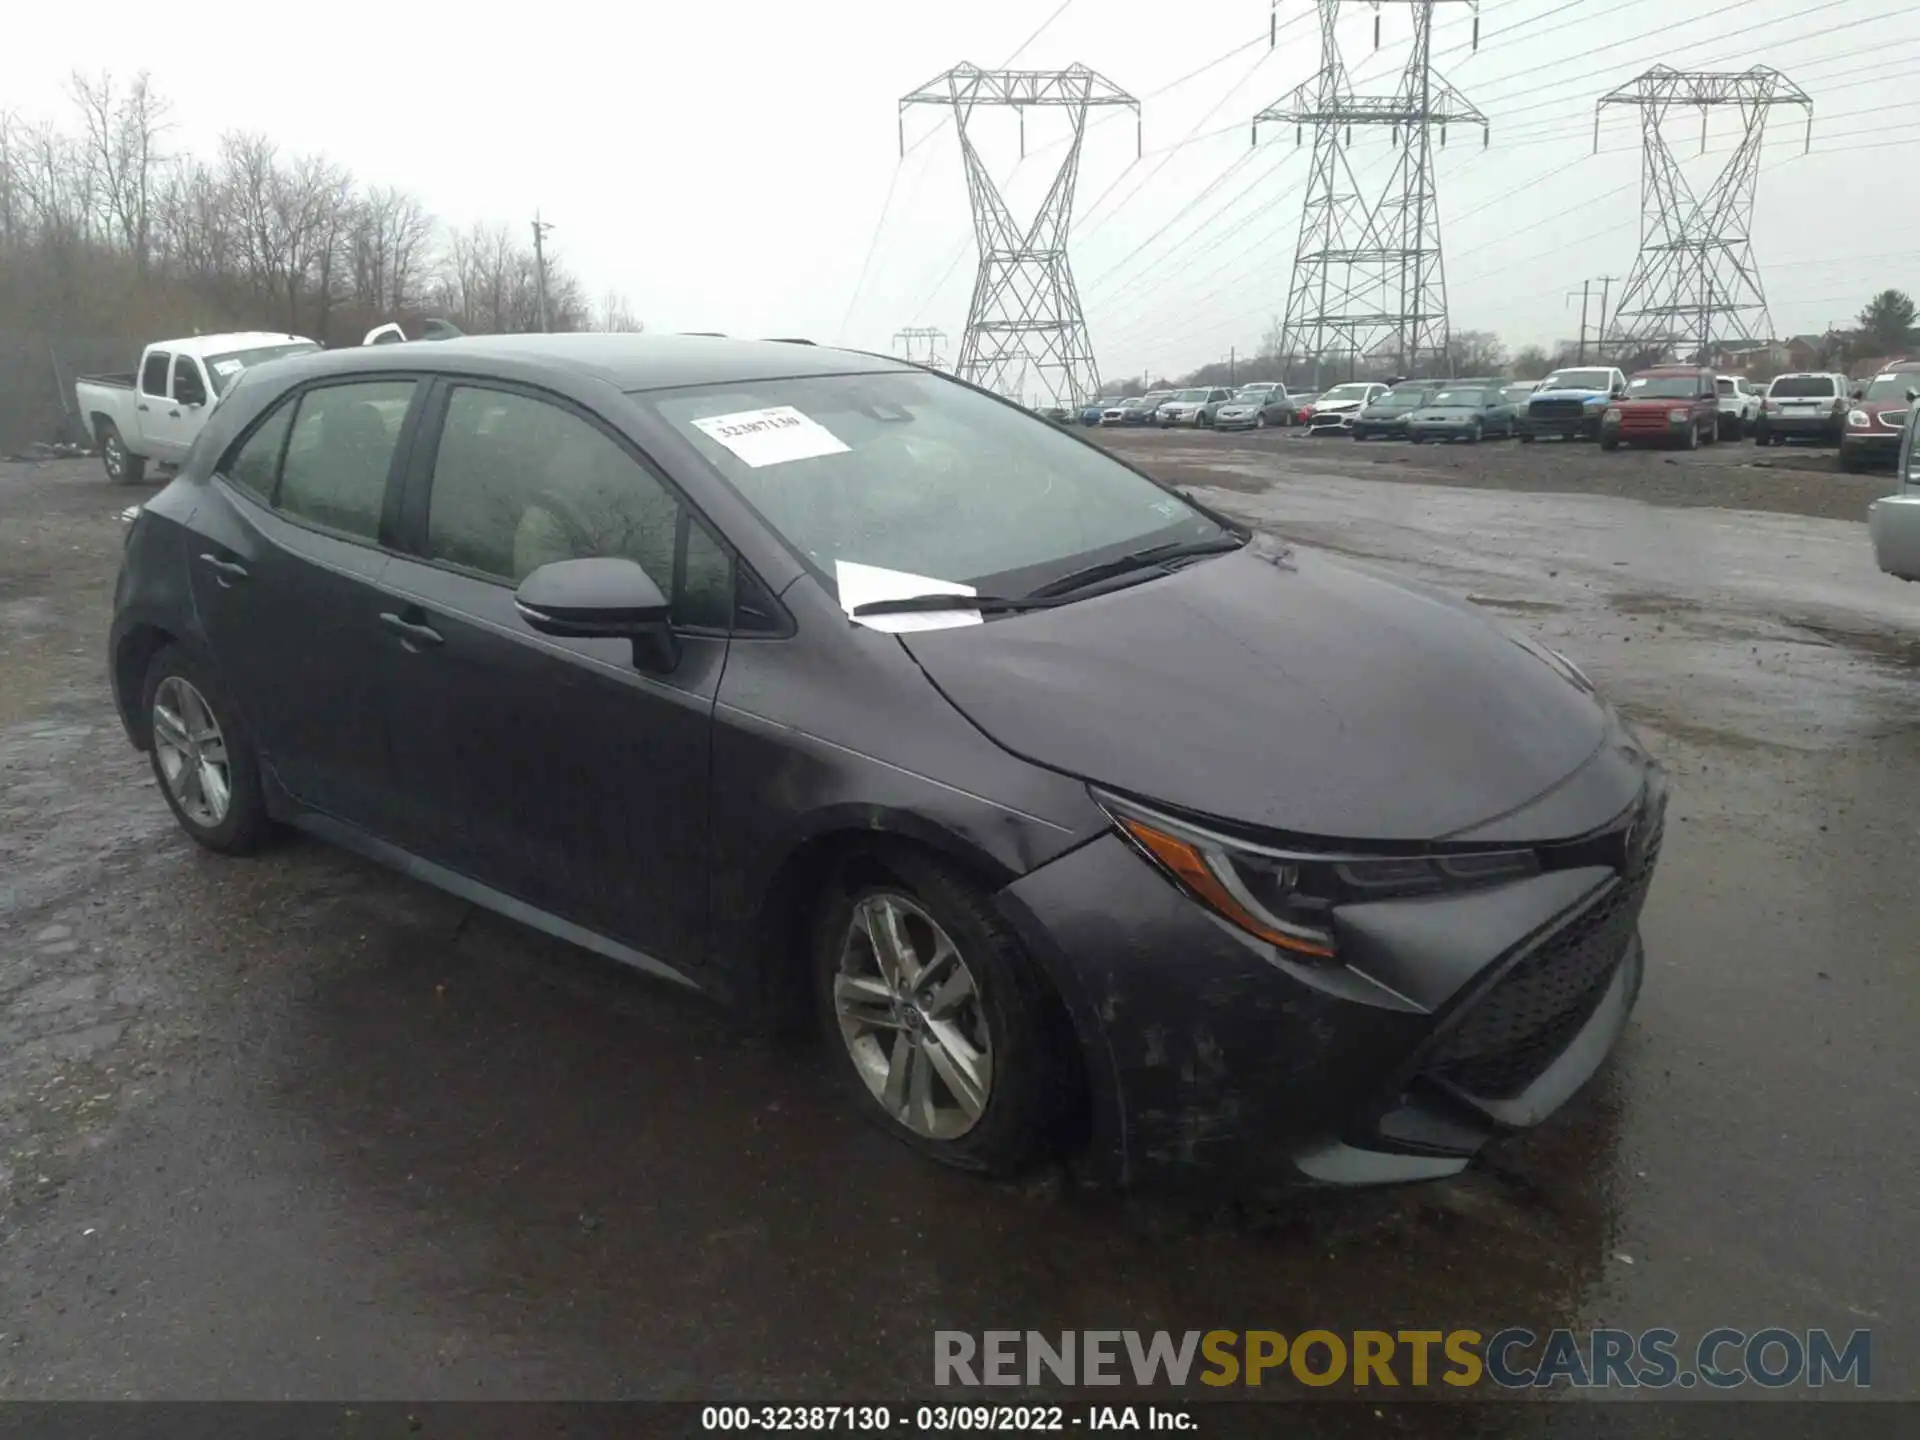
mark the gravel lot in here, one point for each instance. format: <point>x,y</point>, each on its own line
<point>299,1127</point>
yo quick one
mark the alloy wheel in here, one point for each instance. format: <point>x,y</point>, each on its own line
<point>192,752</point>
<point>113,456</point>
<point>910,1015</point>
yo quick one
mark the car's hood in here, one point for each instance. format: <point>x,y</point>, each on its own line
<point>1331,407</point>
<point>1568,395</point>
<point>1654,402</point>
<point>1448,412</point>
<point>1279,689</point>
<point>1374,412</point>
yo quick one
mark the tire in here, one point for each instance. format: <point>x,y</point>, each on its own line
<point>1260,420</point>
<point>1849,462</point>
<point>1027,1077</point>
<point>1473,435</point>
<point>175,676</point>
<point>1692,442</point>
<point>122,466</point>
<point>1728,427</point>
<point>1416,438</point>
<point>1609,442</point>
<point>1526,437</point>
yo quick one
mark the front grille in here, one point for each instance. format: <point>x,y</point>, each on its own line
<point>1508,1038</point>
<point>1557,409</point>
<point>1894,419</point>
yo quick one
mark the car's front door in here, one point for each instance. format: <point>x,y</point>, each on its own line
<point>174,418</point>
<point>563,772</point>
<point>285,555</point>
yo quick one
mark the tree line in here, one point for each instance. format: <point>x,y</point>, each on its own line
<point>104,232</point>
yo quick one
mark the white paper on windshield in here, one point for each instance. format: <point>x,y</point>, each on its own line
<point>225,367</point>
<point>863,584</point>
<point>772,436</point>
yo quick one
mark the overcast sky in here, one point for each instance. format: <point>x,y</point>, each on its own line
<point>728,166</point>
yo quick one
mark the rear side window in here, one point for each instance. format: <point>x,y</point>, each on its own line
<point>255,464</point>
<point>1803,387</point>
<point>338,454</point>
<point>153,373</point>
<point>519,483</point>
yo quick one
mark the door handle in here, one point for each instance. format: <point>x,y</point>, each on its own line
<point>412,635</point>
<point>175,414</point>
<point>143,407</point>
<point>225,571</point>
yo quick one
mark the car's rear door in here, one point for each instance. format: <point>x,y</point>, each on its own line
<point>557,771</point>
<point>287,549</point>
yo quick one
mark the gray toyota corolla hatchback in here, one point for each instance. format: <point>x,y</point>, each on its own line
<point>830,686</point>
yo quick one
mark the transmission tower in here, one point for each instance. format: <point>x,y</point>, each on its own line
<point>921,345</point>
<point>1025,309</point>
<point>1694,280</point>
<point>1367,279</point>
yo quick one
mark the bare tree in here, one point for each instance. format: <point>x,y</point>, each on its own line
<point>122,133</point>
<point>616,315</point>
<point>1475,352</point>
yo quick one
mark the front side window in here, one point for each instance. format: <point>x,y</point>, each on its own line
<point>153,373</point>
<point>519,482</point>
<point>255,464</point>
<point>187,387</point>
<point>339,452</point>
<point>914,473</point>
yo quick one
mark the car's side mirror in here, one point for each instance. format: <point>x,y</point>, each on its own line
<point>1912,394</point>
<point>601,598</point>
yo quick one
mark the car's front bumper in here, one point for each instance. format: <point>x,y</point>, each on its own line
<point>1379,429</point>
<point>1567,427</point>
<point>1328,423</point>
<point>1440,429</point>
<point>1452,1020</point>
<point>1894,523</point>
<point>1870,445</point>
<point>1224,420</point>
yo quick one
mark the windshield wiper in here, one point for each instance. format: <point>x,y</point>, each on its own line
<point>1153,557</point>
<point>907,604</point>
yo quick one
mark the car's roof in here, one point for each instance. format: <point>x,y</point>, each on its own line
<point>629,362</point>
<point>202,345</point>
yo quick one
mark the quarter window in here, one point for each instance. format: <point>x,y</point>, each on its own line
<point>519,482</point>
<point>339,452</point>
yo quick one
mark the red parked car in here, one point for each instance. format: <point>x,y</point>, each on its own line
<point>1666,405</point>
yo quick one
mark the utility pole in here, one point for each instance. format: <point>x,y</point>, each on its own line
<point>1233,357</point>
<point>1367,274</point>
<point>1585,286</point>
<point>1025,307</point>
<point>1605,282</point>
<point>1695,264</point>
<point>540,228</point>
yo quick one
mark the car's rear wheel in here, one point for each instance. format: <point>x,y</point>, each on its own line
<point>202,756</point>
<point>935,1016</point>
<point>122,467</point>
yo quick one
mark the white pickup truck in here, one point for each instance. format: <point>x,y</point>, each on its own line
<point>155,412</point>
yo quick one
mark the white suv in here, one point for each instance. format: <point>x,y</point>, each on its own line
<point>1739,405</point>
<point>1813,404</point>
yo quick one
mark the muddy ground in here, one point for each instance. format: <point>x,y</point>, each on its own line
<point>296,1126</point>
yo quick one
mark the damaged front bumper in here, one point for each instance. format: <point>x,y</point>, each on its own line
<point>1449,1020</point>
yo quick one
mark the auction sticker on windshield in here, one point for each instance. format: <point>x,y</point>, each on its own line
<point>772,436</point>
<point>225,367</point>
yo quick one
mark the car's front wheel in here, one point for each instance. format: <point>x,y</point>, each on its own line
<point>202,756</point>
<point>935,1016</point>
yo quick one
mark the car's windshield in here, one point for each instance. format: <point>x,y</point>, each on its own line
<point>1517,392</point>
<point>1159,395</point>
<point>1663,387</point>
<point>1578,380</point>
<point>1346,392</point>
<point>1254,392</point>
<point>1893,385</point>
<point>1133,400</point>
<point>224,368</point>
<point>913,473</point>
<point>1456,399</point>
<point>1401,400</point>
<point>1191,395</point>
<point>1802,387</point>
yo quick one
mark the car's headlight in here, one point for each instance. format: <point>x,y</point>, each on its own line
<point>1679,416</point>
<point>1286,896</point>
<point>1613,414</point>
<point>1859,419</point>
